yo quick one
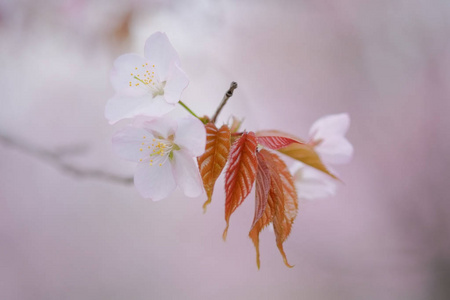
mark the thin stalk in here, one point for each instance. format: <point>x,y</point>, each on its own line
<point>227,96</point>
<point>188,109</point>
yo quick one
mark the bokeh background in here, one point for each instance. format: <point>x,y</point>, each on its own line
<point>71,234</point>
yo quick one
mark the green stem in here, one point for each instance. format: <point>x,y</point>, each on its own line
<point>188,109</point>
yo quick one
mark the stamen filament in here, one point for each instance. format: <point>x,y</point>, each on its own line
<point>157,151</point>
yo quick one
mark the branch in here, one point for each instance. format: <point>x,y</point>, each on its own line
<point>56,158</point>
<point>227,96</point>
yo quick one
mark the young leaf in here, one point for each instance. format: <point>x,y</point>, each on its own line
<point>281,208</point>
<point>262,187</point>
<point>276,142</point>
<point>290,205</point>
<point>278,133</point>
<point>240,175</point>
<point>212,162</point>
<point>300,151</point>
<point>235,124</point>
<point>266,190</point>
<point>307,155</point>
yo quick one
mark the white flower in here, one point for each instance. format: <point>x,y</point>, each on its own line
<point>327,135</point>
<point>149,85</point>
<point>164,149</point>
<point>311,183</point>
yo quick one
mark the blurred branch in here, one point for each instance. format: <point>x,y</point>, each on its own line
<point>56,158</point>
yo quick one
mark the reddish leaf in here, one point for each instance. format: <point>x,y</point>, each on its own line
<point>212,162</point>
<point>276,142</point>
<point>281,208</point>
<point>267,188</point>
<point>299,151</point>
<point>290,205</point>
<point>262,187</point>
<point>240,175</point>
<point>278,133</point>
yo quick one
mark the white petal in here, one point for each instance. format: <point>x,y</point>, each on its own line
<point>330,126</point>
<point>313,184</point>
<point>161,127</point>
<point>127,143</point>
<point>178,113</point>
<point>161,53</point>
<point>191,135</point>
<point>187,174</point>
<point>120,75</point>
<point>335,150</point>
<point>155,107</point>
<point>296,166</point>
<point>121,107</point>
<point>175,84</point>
<point>154,182</point>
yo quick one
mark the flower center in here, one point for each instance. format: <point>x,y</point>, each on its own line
<point>146,77</point>
<point>156,151</point>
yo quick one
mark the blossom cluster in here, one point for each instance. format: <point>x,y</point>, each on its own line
<point>173,147</point>
<point>161,138</point>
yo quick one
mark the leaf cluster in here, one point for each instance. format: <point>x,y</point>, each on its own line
<point>253,160</point>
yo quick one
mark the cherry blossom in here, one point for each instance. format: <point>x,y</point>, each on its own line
<point>148,85</point>
<point>327,135</point>
<point>164,149</point>
<point>311,183</point>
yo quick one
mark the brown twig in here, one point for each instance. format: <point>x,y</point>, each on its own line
<point>227,96</point>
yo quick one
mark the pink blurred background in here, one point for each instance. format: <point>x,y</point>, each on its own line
<point>384,236</point>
